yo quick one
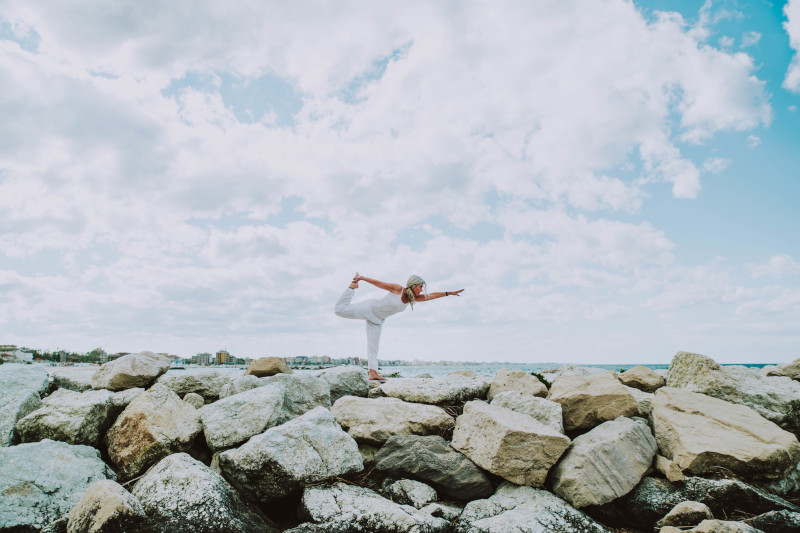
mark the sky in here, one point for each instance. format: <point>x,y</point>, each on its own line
<point>609,181</point>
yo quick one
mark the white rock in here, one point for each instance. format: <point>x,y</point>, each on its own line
<point>69,416</point>
<point>545,411</point>
<point>303,392</point>
<point>15,377</point>
<point>240,384</point>
<point>374,420</point>
<point>106,507</point>
<point>231,421</point>
<point>206,383</point>
<point>132,370</point>
<point>15,404</point>
<point>515,380</point>
<point>446,511</point>
<point>451,389</point>
<point>644,401</point>
<point>78,378</point>
<point>349,380</point>
<point>590,400</point>
<point>410,492</point>
<point>194,399</point>
<point>686,514</point>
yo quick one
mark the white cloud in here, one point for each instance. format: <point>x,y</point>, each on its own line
<point>750,38</point>
<point>777,266</point>
<point>715,165</point>
<point>792,27</point>
<point>753,141</point>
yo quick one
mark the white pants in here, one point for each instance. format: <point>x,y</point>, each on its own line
<point>362,311</point>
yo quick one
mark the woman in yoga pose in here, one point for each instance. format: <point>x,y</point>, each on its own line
<point>375,311</point>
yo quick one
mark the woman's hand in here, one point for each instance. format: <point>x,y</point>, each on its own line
<point>357,277</point>
<point>457,293</point>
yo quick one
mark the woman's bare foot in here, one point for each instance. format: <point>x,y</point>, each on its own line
<point>374,376</point>
<point>354,285</point>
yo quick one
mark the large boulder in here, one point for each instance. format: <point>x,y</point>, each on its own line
<point>132,370</point>
<point>542,410</point>
<point>513,508</point>
<point>775,398</point>
<point>194,399</point>
<point>302,393</point>
<point>432,460</point>
<point>207,383</point>
<point>644,401</point>
<point>15,377</point>
<point>605,463</point>
<point>446,390</point>
<point>776,522</point>
<point>106,507</point>
<point>642,378</point>
<point>592,399</point>
<point>232,420</point>
<point>69,416</point>
<point>410,492</point>
<point>511,445</point>
<point>182,495</point>
<point>515,380</point>
<point>41,481</point>
<point>374,420</point>
<point>283,459</point>
<point>156,424</point>
<point>14,405</point>
<point>702,434</point>
<point>76,378</point>
<point>267,366</point>
<point>789,370</point>
<point>348,380</point>
<point>686,514</point>
<point>240,384</point>
<point>349,509</point>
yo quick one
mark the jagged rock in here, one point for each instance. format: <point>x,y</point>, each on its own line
<point>655,497</point>
<point>605,463</point>
<point>789,370</point>
<point>432,460</point>
<point>194,399</point>
<point>69,416</point>
<point>514,508</point>
<point>122,399</point>
<point>232,420</point>
<point>515,380</point>
<point>775,398</point>
<point>644,401</point>
<point>281,460</point>
<point>106,507</point>
<point>545,411</point>
<point>14,405</point>
<point>437,391</point>
<point>267,366</point>
<point>345,381</point>
<point>41,481</point>
<point>77,379</point>
<point>206,383</point>
<point>14,377</point>
<point>349,509</point>
<point>303,392</point>
<point>776,522</point>
<point>59,526</point>
<point>492,437</point>
<point>240,384</point>
<point>374,420</point>
<point>129,371</point>
<point>668,468</point>
<point>554,374</point>
<point>723,526</point>
<point>182,495</point>
<point>367,452</point>
<point>410,492</point>
<point>642,378</point>
<point>156,424</point>
<point>702,434</point>
<point>590,400</point>
<point>442,510</point>
<point>686,514</point>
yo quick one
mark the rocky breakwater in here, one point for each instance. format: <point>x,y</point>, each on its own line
<point>305,452</point>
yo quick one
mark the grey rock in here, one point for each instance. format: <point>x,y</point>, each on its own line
<point>776,522</point>
<point>524,509</point>
<point>182,495</point>
<point>15,377</point>
<point>432,460</point>
<point>544,411</point>
<point>447,390</point>
<point>106,507</point>
<point>77,378</point>
<point>206,383</point>
<point>723,526</point>
<point>446,511</point>
<point>15,404</point>
<point>789,370</point>
<point>515,380</point>
<point>686,514</point>
<point>194,399</point>
<point>554,374</point>
<point>410,492</point>
<point>41,481</point>
<point>644,401</point>
<point>281,460</point>
<point>303,392</point>
<point>788,485</point>
<point>349,509</point>
<point>590,400</point>
<point>231,421</point>
<point>69,416</point>
<point>240,384</point>
<point>345,381</point>
<point>122,399</point>
<point>59,526</point>
<point>132,370</point>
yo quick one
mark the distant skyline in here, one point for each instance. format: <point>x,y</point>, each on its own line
<point>610,181</point>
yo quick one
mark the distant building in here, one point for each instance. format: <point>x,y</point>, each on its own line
<point>16,356</point>
<point>8,348</point>
<point>222,357</point>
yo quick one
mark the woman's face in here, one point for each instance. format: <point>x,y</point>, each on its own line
<point>417,289</point>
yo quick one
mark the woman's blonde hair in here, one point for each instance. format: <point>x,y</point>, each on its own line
<point>412,282</point>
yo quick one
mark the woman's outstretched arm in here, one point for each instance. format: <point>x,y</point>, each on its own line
<point>391,287</point>
<point>434,295</point>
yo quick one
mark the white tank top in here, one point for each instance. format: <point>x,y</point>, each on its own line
<point>389,305</point>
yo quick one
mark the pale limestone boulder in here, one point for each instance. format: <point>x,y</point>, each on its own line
<point>350,509</point>
<point>194,399</point>
<point>590,400</point>
<point>122,399</point>
<point>156,424</point>
<point>374,420</point>
<point>206,382</point>
<point>302,393</point>
<point>669,469</point>
<point>686,514</point>
<point>644,401</point>
<point>775,398</point>
<point>14,405</point>
<point>554,374</point>
<point>701,434</point>
<point>182,495</point>
<point>69,416</point>
<point>240,384</point>
<point>515,380</point>
<point>789,370</point>
<point>129,371</point>
<point>15,377</point>
<point>447,390</point>
<point>642,378</point>
<point>106,507</point>
<point>724,526</point>
<point>446,511</point>
<point>545,411</point>
<point>605,463</point>
<point>494,439</point>
<point>283,459</point>
<point>76,378</point>
<point>347,380</point>
<point>524,509</point>
<point>231,421</point>
<point>410,492</point>
<point>268,366</point>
